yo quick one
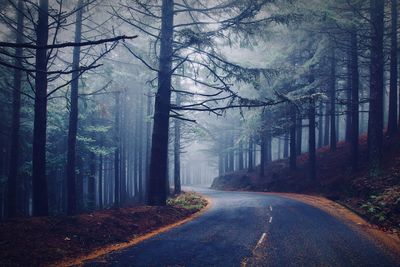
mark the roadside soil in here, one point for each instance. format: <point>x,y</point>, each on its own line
<point>44,241</point>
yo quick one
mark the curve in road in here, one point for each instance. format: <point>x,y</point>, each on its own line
<point>253,229</point>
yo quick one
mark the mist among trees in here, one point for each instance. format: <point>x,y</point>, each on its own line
<point>106,104</point>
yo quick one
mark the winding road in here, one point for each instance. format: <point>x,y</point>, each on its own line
<point>253,229</point>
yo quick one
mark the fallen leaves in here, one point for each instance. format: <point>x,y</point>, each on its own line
<point>44,240</point>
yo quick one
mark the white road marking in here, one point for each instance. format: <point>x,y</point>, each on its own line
<point>261,239</point>
<point>270,208</point>
<point>270,219</point>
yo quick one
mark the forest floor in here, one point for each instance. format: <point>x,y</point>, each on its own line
<point>44,241</point>
<point>376,199</point>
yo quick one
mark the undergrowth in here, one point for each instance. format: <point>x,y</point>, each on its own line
<point>188,200</point>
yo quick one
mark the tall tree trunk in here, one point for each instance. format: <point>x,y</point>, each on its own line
<point>220,164</point>
<point>392,121</point>
<point>122,152</point>
<point>332,95</point>
<point>136,157</point>
<point>293,152</point>
<point>279,147</point>
<point>226,158</point>
<point>320,125</point>
<point>250,167</point>
<point>177,150</point>
<point>106,182</point>
<point>168,185</point>
<point>262,154</point>
<point>101,182</point>
<point>245,158</point>
<point>311,141</point>
<point>148,142</point>
<point>79,183</point>
<point>338,111</point>
<point>157,194</point>
<point>140,151</point>
<point>39,182</point>
<point>231,153</point>
<point>117,152</point>
<point>92,182</point>
<point>254,154</point>
<point>348,97</point>
<point>311,134</point>
<point>375,122</point>
<point>129,164</point>
<point>286,146</point>
<point>110,182</point>
<point>73,117</point>
<point>354,101</point>
<point>16,114</point>
<point>268,145</point>
<point>241,165</point>
<point>299,133</point>
<point>326,125</point>
<point>26,194</point>
<point>363,123</point>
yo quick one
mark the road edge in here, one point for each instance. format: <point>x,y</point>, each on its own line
<point>384,239</point>
<point>134,241</point>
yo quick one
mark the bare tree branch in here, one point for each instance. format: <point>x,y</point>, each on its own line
<point>68,44</point>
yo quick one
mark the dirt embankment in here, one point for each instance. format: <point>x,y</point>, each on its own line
<point>44,241</point>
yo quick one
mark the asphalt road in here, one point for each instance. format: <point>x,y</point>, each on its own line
<point>259,230</point>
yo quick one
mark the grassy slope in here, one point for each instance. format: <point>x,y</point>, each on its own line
<point>377,199</point>
<point>45,240</point>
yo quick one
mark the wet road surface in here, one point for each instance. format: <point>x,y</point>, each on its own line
<point>257,229</point>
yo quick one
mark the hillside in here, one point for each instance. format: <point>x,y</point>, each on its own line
<point>377,199</point>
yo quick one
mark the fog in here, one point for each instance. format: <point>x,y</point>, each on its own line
<point>110,103</point>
